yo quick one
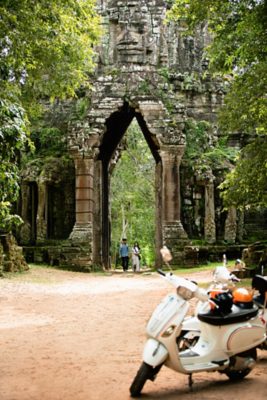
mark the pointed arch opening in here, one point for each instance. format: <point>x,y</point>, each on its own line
<point>113,145</point>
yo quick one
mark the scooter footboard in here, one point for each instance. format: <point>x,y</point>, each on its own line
<point>154,353</point>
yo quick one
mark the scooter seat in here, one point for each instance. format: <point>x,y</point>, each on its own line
<point>236,314</point>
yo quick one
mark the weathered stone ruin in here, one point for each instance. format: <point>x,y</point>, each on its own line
<point>148,71</point>
<point>11,255</point>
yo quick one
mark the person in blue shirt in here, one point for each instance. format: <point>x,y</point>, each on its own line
<point>124,254</point>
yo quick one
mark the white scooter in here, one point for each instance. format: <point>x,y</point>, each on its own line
<point>228,340</point>
<point>222,280</point>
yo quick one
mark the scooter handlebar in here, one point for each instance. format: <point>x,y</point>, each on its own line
<point>172,277</point>
<point>161,272</point>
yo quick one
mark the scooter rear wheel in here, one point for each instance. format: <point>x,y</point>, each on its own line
<point>144,373</point>
<point>237,375</point>
<point>263,346</point>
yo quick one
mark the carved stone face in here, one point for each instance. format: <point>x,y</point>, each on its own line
<point>132,31</point>
<point>130,46</point>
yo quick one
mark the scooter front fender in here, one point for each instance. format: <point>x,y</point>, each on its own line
<point>154,353</point>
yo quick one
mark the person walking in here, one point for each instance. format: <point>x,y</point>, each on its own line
<point>124,254</point>
<point>136,256</point>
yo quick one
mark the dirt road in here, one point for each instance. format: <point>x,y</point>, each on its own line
<point>72,336</point>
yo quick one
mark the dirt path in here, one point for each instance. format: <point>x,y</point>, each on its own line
<point>71,336</point>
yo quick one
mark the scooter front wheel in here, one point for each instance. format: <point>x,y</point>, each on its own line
<point>144,373</point>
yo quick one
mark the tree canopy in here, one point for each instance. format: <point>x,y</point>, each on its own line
<point>203,152</point>
<point>46,52</point>
<point>238,51</point>
<point>46,47</point>
<point>247,183</point>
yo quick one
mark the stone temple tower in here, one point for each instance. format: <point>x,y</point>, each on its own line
<point>146,69</point>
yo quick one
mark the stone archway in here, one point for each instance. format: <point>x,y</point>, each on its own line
<point>146,69</point>
<point>117,125</point>
<point>93,177</point>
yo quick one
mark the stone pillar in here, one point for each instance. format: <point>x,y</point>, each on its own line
<point>240,225</point>
<point>158,212</point>
<point>209,223</point>
<point>41,219</point>
<point>84,173</point>
<point>230,228</point>
<point>172,228</point>
<point>25,229</point>
<point>98,213</point>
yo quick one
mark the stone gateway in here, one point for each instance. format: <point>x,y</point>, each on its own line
<point>149,71</point>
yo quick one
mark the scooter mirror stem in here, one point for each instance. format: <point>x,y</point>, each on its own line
<point>265,301</point>
<point>234,278</point>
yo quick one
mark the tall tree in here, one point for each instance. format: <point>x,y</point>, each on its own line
<point>238,51</point>
<point>46,52</point>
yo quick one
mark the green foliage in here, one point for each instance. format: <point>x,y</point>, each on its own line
<point>13,139</point>
<point>46,47</point>
<point>238,52</point>
<point>242,186</point>
<point>202,153</point>
<point>197,138</point>
<point>239,31</point>
<point>49,142</point>
<point>245,107</point>
<point>81,107</point>
<point>133,197</point>
<point>46,52</point>
<point>164,73</point>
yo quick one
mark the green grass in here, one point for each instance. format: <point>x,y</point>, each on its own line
<point>34,274</point>
<point>198,268</point>
<point>51,275</point>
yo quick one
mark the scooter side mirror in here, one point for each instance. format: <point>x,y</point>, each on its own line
<point>259,283</point>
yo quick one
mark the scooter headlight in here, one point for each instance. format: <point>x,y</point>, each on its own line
<point>169,331</point>
<point>185,292</point>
